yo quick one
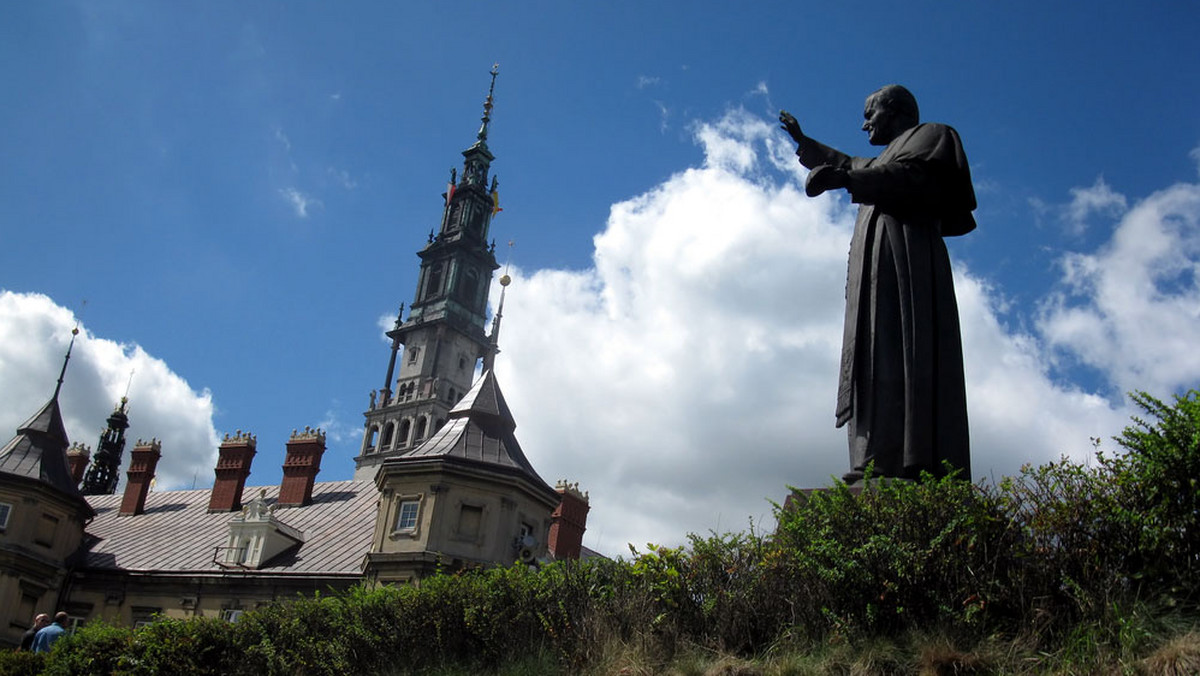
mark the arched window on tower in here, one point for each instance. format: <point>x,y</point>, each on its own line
<point>434,286</point>
<point>405,428</point>
<point>422,423</point>
<point>470,288</point>
<point>386,442</point>
<point>369,446</point>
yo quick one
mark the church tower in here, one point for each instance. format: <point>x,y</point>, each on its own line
<point>443,337</point>
<point>102,476</point>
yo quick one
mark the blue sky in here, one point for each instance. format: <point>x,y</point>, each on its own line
<point>238,190</point>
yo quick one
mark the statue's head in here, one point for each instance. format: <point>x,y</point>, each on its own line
<point>889,112</point>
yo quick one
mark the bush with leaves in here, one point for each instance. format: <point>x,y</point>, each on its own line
<point>899,554</point>
<point>1158,484</point>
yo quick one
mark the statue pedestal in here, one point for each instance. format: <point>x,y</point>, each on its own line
<point>799,496</point>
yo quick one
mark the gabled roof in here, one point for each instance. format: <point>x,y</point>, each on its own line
<point>177,534</point>
<point>39,452</point>
<point>479,429</point>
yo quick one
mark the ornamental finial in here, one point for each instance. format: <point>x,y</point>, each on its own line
<point>488,103</point>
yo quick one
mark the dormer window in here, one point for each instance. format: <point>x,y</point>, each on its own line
<point>5,510</point>
<point>256,536</point>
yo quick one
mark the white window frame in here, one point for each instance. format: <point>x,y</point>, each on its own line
<point>5,512</point>
<point>415,515</point>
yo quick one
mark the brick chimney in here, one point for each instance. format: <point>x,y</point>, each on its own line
<point>233,466</point>
<point>300,467</point>
<point>568,522</point>
<point>142,463</point>
<point>77,460</point>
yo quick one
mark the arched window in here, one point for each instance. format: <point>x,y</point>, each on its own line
<point>434,285</point>
<point>422,423</point>
<point>405,428</point>
<point>388,431</point>
<point>369,446</point>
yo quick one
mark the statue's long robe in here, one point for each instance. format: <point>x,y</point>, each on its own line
<point>901,387</point>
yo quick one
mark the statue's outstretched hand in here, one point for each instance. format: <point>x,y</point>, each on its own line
<point>789,124</point>
<point>825,177</point>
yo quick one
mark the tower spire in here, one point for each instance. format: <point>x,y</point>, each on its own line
<point>488,103</point>
<point>489,357</point>
<point>444,334</point>
<point>385,394</point>
<point>63,373</point>
<point>105,471</point>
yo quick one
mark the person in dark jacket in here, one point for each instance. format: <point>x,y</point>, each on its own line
<point>39,621</point>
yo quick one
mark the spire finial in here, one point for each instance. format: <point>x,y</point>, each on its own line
<point>489,359</point>
<point>63,373</point>
<point>488,103</point>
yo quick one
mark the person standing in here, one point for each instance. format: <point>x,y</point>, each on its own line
<point>39,622</point>
<point>46,637</point>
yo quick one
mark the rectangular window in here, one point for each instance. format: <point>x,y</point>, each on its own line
<point>5,510</point>
<point>469,520</point>
<point>47,529</point>
<point>406,518</point>
<point>143,615</point>
<point>231,614</point>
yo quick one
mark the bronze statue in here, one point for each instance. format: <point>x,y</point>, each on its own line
<point>901,388</point>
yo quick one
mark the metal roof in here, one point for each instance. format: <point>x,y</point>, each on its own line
<point>176,533</point>
<point>39,452</point>
<point>479,429</point>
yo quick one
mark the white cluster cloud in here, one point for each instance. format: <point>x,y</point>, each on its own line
<point>34,335</point>
<point>1132,308</point>
<point>690,375</point>
<point>1100,198</point>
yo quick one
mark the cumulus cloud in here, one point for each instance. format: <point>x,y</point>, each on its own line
<point>689,375</point>
<point>1097,199</point>
<point>1132,308</point>
<point>34,334</point>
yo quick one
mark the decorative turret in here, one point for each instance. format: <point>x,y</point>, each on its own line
<point>442,339</point>
<point>102,476</point>
<point>38,454</point>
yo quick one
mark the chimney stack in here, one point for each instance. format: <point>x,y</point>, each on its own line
<point>568,522</point>
<point>233,466</point>
<point>77,460</point>
<point>142,463</point>
<point>300,467</point>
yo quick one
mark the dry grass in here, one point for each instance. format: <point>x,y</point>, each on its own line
<point>1179,656</point>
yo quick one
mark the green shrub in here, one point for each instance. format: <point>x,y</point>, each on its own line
<point>1074,561</point>
<point>899,554</point>
<point>21,663</point>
